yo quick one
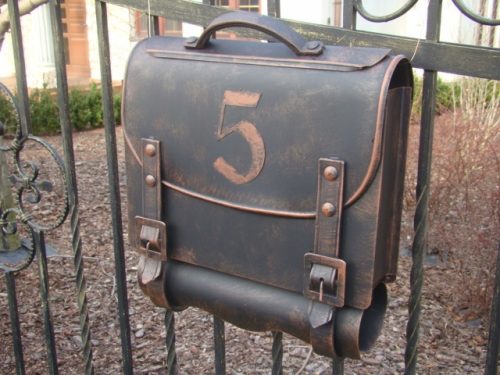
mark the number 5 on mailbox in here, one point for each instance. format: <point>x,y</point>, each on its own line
<point>247,130</point>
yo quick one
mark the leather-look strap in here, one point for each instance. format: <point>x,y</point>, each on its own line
<point>329,207</point>
<point>152,235</point>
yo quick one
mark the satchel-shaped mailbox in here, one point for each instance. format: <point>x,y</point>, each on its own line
<point>265,180</point>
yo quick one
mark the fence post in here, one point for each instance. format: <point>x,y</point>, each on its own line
<point>8,241</point>
<point>69,164</point>
<point>114,184</point>
<point>10,282</point>
<point>219,346</point>
<point>423,184</point>
<point>39,244</point>
<point>491,367</point>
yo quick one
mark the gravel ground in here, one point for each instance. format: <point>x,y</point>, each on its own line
<point>450,343</point>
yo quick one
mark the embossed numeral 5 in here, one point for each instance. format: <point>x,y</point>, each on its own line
<point>248,131</point>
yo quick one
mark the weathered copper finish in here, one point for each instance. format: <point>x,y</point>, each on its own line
<point>356,330</point>
<point>328,209</point>
<point>221,202</point>
<point>258,139</point>
<point>331,272</point>
<point>150,150</point>
<point>330,173</point>
<point>151,239</point>
<point>150,180</point>
<point>266,25</point>
<point>248,131</point>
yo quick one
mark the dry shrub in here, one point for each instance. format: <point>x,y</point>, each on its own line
<point>464,205</point>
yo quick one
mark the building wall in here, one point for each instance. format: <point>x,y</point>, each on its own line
<point>456,28</point>
<point>34,38</point>
<point>314,11</point>
<point>121,40</point>
<point>6,58</point>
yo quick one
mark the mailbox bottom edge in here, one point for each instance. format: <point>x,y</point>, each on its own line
<point>257,307</point>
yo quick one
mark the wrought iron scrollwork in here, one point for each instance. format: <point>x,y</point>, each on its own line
<point>475,17</point>
<point>28,188</point>
<point>358,5</point>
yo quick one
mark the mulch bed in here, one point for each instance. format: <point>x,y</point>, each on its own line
<point>450,343</point>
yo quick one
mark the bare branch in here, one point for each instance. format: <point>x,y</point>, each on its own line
<point>25,7</point>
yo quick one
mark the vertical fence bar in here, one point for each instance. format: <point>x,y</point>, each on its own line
<point>154,23</point>
<point>277,353</point>
<point>39,243</point>
<point>420,221</point>
<point>337,365</point>
<point>10,282</point>
<point>25,119</point>
<point>69,162</point>
<point>219,346</point>
<point>114,184</point>
<point>20,65</point>
<point>170,341</point>
<point>274,8</point>
<point>172,367</point>
<point>348,22</point>
<point>491,367</point>
<point>349,15</point>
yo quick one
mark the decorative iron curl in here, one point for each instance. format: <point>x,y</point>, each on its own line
<point>26,183</point>
<point>5,92</point>
<point>475,17</point>
<point>358,4</point>
<point>28,176</point>
<point>10,227</point>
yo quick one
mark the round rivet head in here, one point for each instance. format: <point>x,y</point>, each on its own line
<point>150,180</point>
<point>328,209</point>
<point>150,150</point>
<point>313,44</point>
<point>331,173</point>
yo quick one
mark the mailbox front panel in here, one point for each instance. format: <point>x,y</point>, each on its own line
<point>240,143</point>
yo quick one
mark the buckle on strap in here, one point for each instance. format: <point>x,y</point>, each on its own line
<point>324,279</point>
<point>152,240</point>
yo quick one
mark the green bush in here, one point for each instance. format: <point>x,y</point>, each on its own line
<point>117,108</point>
<point>447,96</point>
<point>7,115</point>
<point>451,95</point>
<point>85,110</point>
<point>44,112</point>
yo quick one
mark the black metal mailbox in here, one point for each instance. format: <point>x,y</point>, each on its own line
<point>265,180</point>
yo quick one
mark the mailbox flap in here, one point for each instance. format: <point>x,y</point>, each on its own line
<point>242,126</point>
<point>270,54</point>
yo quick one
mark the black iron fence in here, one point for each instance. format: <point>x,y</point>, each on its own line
<point>429,54</point>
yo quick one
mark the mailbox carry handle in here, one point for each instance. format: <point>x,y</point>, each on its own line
<point>267,25</point>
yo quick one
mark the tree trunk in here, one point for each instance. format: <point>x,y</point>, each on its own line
<point>25,7</point>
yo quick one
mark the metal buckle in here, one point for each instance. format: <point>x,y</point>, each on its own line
<point>324,279</point>
<point>152,240</point>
